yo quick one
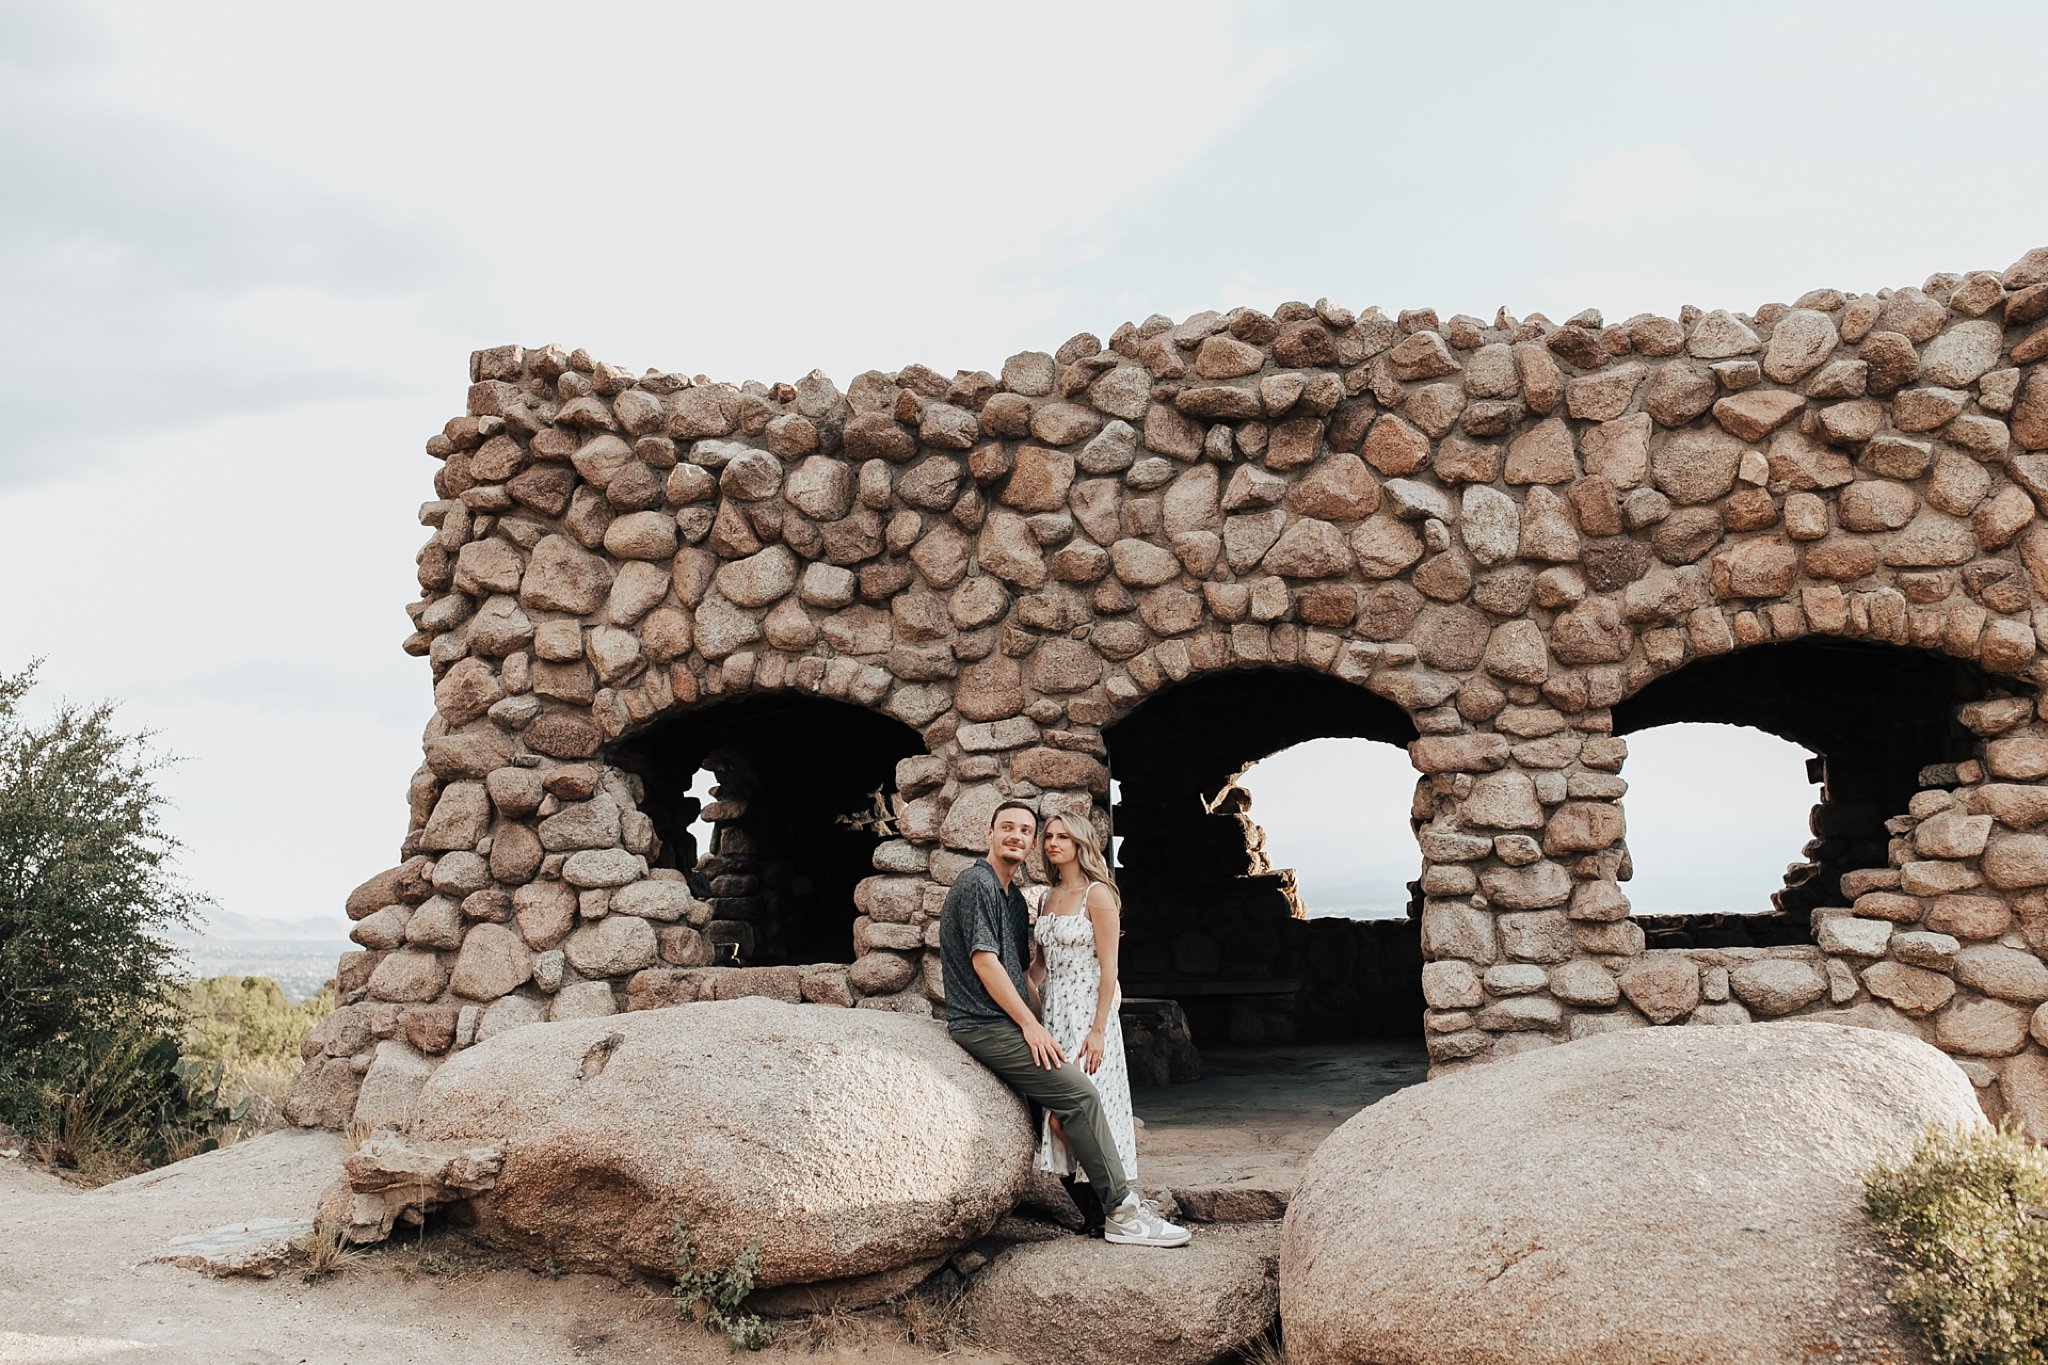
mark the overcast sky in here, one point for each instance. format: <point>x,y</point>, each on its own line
<point>246,250</point>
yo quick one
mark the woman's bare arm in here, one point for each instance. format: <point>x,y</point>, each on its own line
<point>1107,917</point>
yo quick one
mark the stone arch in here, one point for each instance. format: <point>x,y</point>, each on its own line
<point>806,789</point>
<point>1503,527</point>
<point>1884,722</point>
<point>1207,920</point>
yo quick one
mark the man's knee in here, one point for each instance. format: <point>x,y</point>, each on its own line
<point>1077,1096</point>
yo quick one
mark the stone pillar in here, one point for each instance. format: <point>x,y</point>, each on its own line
<point>1949,940</point>
<point>1523,923</point>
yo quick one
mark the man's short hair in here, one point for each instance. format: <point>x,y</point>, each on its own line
<point>1013,805</point>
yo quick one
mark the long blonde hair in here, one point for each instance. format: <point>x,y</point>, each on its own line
<point>1087,851</point>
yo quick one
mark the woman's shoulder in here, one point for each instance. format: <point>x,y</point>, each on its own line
<point>1102,896</point>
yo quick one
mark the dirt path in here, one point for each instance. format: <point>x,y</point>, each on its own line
<point>77,1286</point>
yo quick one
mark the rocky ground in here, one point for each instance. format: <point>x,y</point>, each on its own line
<point>1720,1169</point>
<point>77,1284</point>
<point>1651,1197</point>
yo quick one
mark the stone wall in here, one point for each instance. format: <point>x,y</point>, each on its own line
<point>1504,530</point>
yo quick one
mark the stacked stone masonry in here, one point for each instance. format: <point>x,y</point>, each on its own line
<point>1503,528</point>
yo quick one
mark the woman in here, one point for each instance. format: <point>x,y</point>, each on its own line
<point>1073,963</point>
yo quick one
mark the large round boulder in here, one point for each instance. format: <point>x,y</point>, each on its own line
<point>851,1142</point>
<point>1654,1197</point>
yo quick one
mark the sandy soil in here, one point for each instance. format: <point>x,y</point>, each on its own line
<point>77,1286</point>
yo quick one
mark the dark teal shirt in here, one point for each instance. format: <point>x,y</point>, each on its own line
<point>980,917</point>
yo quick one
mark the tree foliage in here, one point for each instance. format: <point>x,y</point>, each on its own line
<point>238,1019</point>
<point>241,1049</point>
<point>88,889</point>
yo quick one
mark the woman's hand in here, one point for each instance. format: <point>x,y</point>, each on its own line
<point>1091,1051</point>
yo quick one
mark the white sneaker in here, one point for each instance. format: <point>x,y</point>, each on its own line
<point>1133,1224</point>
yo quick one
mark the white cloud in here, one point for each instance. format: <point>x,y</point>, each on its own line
<point>1335,812</point>
<point>1716,813</point>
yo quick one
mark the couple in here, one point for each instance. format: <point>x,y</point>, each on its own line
<point>994,960</point>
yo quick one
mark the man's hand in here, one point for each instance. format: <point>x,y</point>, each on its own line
<point>1044,1051</point>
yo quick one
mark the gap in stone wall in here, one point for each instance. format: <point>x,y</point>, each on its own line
<point>1881,718</point>
<point>701,832</point>
<point>1337,813</point>
<point>1718,814</point>
<point>1208,921</point>
<point>802,784</point>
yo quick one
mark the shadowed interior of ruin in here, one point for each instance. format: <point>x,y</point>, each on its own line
<point>800,783</point>
<point>1207,920</point>
<point>1878,716</point>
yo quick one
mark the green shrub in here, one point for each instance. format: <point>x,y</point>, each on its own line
<point>245,1036</point>
<point>714,1297</point>
<point>88,1024</point>
<point>123,1101</point>
<point>247,1018</point>
<point>1966,1216</point>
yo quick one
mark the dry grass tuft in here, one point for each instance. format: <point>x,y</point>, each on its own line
<point>1966,1219</point>
<point>440,1255</point>
<point>253,1089</point>
<point>930,1318</point>
<point>325,1251</point>
<point>832,1329</point>
<point>1265,1350</point>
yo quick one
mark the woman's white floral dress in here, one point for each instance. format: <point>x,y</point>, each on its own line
<point>1072,976</point>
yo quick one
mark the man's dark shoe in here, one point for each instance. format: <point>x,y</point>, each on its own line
<point>1088,1202</point>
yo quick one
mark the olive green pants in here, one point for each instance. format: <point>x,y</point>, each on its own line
<point>1066,1092</point>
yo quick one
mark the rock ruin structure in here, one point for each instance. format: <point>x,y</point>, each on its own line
<point>871,614</point>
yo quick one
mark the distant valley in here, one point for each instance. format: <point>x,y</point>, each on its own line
<point>299,953</point>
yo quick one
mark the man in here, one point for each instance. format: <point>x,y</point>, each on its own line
<point>985,945</point>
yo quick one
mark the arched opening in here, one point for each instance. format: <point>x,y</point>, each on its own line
<point>800,790</point>
<point>1300,1021</point>
<point>1881,722</point>
<point>1209,920</point>
<point>1343,864</point>
<point>1711,807</point>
